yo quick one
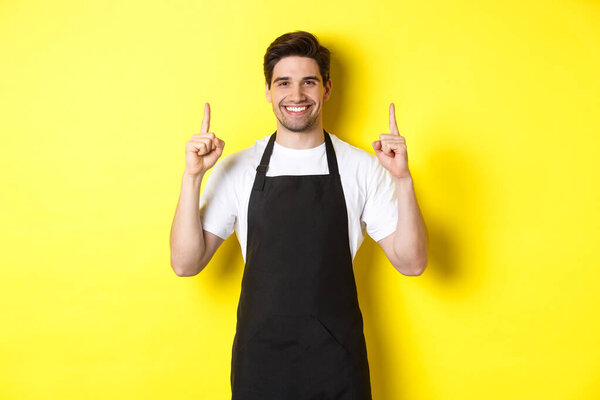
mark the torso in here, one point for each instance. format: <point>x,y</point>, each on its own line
<point>360,174</point>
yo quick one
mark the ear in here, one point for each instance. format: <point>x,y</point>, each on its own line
<point>327,90</point>
<point>268,93</point>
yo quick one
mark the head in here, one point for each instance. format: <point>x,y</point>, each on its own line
<point>297,79</point>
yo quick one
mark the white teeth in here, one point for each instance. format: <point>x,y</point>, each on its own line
<point>296,109</point>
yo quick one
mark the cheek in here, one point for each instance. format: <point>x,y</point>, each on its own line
<point>320,94</point>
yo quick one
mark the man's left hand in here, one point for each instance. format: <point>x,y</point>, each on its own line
<point>391,149</point>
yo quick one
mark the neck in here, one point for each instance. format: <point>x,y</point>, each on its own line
<point>307,139</point>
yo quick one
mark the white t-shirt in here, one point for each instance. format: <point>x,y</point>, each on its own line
<point>368,188</point>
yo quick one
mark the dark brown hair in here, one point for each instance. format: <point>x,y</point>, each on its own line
<point>297,43</point>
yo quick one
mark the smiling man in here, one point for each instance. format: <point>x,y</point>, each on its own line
<point>300,201</point>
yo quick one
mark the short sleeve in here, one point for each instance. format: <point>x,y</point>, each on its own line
<point>380,213</point>
<point>218,209</point>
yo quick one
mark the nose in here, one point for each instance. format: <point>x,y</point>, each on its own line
<point>297,94</point>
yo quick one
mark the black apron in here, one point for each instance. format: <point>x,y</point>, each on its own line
<point>299,331</point>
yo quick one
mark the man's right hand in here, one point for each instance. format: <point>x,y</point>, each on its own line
<point>204,149</point>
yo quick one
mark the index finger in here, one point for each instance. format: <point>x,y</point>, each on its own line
<point>393,124</point>
<point>206,119</point>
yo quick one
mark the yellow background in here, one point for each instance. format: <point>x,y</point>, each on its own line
<point>498,102</point>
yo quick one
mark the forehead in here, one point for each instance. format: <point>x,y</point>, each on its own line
<point>296,66</point>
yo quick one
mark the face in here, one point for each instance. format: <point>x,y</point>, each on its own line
<point>297,93</point>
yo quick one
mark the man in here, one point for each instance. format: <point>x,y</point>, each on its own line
<point>299,200</point>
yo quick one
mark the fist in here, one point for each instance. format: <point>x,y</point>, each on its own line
<point>390,149</point>
<point>204,149</point>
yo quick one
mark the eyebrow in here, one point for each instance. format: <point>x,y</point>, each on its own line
<point>306,78</point>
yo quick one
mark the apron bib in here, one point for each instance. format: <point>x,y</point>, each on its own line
<point>299,332</point>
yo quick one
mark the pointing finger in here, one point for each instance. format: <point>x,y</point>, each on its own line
<point>393,124</point>
<point>206,119</point>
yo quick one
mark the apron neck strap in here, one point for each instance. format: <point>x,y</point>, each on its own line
<point>261,170</point>
<point>331,158</point>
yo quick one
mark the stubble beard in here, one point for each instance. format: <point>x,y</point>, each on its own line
<point>300,126</point>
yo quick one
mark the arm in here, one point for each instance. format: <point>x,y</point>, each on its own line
<point>406,248</point>
<point>191,246</point>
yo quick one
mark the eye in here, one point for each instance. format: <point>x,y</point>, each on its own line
<point>310,82</point>
<point>283,83</point>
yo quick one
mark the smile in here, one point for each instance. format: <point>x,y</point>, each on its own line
<point>297,110</point>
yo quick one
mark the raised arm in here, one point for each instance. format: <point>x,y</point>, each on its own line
<point>191,246</point>
<point>406,248</point>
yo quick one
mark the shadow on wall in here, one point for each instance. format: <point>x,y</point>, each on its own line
<point>459,227</point>
<point>230,261</point>
<point>333,109</point>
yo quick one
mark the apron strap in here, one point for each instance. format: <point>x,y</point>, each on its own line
<point>261,170</point>
<point>331,158</point>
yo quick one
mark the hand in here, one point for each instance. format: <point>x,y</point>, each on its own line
<point>204,149</point>
<point>391,149</point>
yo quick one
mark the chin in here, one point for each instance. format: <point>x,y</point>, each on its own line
<point>298,128</point>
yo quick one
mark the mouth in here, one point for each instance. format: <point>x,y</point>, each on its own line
<point>297,110</point>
